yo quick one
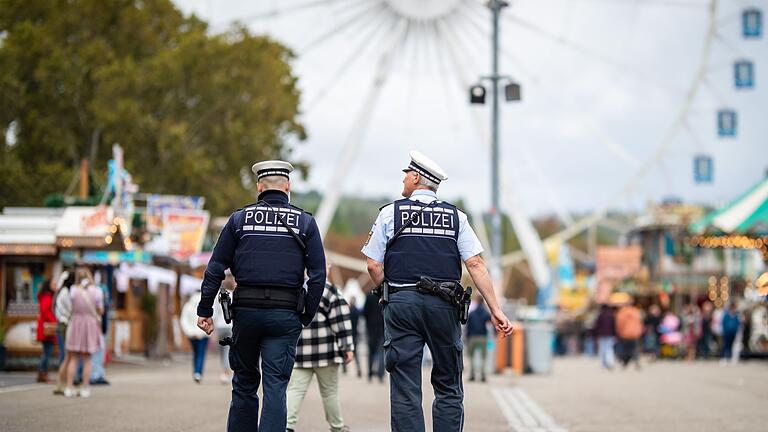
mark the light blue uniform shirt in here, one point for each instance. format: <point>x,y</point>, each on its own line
<point>384,228</point>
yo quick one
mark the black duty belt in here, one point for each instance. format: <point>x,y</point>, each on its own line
<point>452,292</point>
<point>266,297</point>
<point>448,291</point>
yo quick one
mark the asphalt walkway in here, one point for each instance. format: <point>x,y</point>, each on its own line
<point>578,396</point>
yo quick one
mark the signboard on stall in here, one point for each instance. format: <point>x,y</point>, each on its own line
<point>104,257</point>
<point>614,264</point>
<point>158,204</point>
<point>184,231</point>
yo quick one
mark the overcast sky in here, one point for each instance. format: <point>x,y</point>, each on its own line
<point>598,97</point>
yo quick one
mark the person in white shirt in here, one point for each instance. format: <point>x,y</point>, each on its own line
<point>197,338</point>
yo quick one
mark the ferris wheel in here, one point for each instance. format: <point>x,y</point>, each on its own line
<point>383,64</point>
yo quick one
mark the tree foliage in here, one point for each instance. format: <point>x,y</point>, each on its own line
<point>192,110</point>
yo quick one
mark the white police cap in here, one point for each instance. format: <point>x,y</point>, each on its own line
<point>272,168</point>
<point>426,167</point>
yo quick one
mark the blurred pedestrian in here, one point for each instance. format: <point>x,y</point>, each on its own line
<point>629,328</point>
<point>605,330</point>
<point>477,338</point>
<point>223,330</point>
<point>746,334</point>
<point>354,315</point>
<point>84,335</point>
<point>651,331</point>
<point>323,346</point>
<point>374,333</point>
<point>62,308</point>
<point>98,374</point>
<point>730,324</point>
<point>671,338</point>
<point>703,346</point>
<point>691,329</point>
<point>198,339</point>
<point>588,331</point>
<point>46,327</point>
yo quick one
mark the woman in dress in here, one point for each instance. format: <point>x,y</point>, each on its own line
<point>84,335</point>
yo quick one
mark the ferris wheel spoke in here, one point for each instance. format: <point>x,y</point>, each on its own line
<point>604,138</point>
<point>355,55</point>
<point>589,53</point>
<point>697,142</point>
<point>719,98</point>
<point>685,4</point>
<point>443,49</point>
<point>359,19</point>
<point>658,154</point>
<point>552,196</point>
<point>292,9</point>
<point>719,37</point>
<point>333,192</point>
<point>530,242</point>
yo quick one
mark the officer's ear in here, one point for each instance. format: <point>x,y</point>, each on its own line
<point>287,186</point>
<point>260,187</point>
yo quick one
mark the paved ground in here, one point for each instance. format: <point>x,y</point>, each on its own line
<point>663,396</point>
<point>576,397</point>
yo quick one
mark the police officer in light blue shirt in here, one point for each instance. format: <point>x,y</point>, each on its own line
<point>269,246</point>
<point>416,246</point>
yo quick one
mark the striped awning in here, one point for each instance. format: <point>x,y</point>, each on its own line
<point>747,214</point>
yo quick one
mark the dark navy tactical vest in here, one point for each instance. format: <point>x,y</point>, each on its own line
<point>266,254</point>
<point>428,247</point>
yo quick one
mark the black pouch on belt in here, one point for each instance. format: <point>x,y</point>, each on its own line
<point>301,300</point>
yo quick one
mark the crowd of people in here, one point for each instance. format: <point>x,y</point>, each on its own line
<point>621,333</point>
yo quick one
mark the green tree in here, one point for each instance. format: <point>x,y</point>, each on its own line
<point>191,110</point>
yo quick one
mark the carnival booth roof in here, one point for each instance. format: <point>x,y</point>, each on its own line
<point>747,214</point>
<point>28,231</point>
<point>91,227</point>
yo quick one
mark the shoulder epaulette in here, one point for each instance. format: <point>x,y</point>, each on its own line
<point>299,208</point>
<point>385,205</point>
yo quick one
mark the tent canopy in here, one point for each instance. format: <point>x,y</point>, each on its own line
<point>747,214</point>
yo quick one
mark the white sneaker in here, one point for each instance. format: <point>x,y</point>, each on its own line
<point>86,392</point>
<point>69,392</point>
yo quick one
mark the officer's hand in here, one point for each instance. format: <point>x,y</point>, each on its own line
<point>348,356</point>
<point>502,324</point>
<point>205,324</point>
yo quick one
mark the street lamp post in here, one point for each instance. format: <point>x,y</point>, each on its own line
<point>496,240</point>
<point>477,95</point>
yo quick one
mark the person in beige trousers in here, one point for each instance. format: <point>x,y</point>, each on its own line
<point>323,346</point>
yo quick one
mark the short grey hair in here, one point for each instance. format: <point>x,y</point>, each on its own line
<point>273,182</point>
<point>423,181</point>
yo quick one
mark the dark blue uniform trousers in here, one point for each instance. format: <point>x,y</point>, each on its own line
<point>412,319</point>
<point>269,336</point>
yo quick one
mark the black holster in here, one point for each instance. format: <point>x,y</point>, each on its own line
<point>226,305</point>
<point>382,292</point>
<point>301,301</point>
<point>466,299</point>
<point>226,309</point>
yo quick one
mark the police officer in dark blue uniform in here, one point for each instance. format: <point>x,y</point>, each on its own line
<point>267,246</point>
<point>415,250</point>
